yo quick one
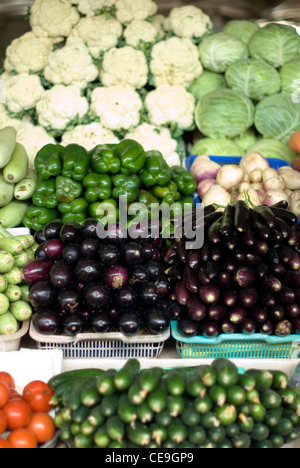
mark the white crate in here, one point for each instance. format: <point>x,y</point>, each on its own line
<point>12,342</point>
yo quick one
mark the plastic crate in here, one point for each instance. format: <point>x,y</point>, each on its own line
<point>239,346</point>
<point>12,342</point>
<point>113,345</point>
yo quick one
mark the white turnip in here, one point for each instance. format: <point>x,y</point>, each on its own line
<point>230,176</point>
<point>204,186</point>
<point>204,169</point>
<point>253,161</point>
<point>216,195</point>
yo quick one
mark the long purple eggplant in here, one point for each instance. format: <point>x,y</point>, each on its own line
<point>37,270</point>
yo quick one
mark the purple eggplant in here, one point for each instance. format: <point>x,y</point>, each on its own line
<point>217,313</point>
<point>73,325</point>
<point>116,277</point>
<point>37,270</point>
<point>271,284</point>
<point>163,287</point>
<point>61,274</point>
<point>292,310</point>
<point>261,247</point>
<point>39,252</point>
<point>283,328</point>
<point>71,233</point>
<point>113,311</point>
<point>68,299</point>
<point>71,254</point>
<point>52,229</point>
<point>267,328</point>
<point>248,297</point>
<point>115,234</point>
<point>182,294</point>
<point>47,322</point>
<point>194,259</point>
<point>237,315</point>
<point>196,310</point>
<point>187,327</point>
<point>230,298</point>
<point>267,300</point>
<point>286,295</point>
<point>175,310</point>
<point>190,279</point>
<point>138,274</point>
<point>132,253</point>
<point>85,312</point>
<point>42,294</point>
<point>296,326</point>
<point>156,320</point>
<point>253,259</point>
<point>209,294</point>
<point>109,254</point>
<point>39,236</point>
<point>89,228</point>
<point>169,256</point>
<point>244,277</point>
<point>89,247</point>
<point>100,322</point>
<point>87,270</point>
<point>259,314</point>
<point>155,270</point>
<point>292,278</point>
<point>129,323</point>
<point>54,249</point>
<point>210,329</point>
<point>248,327</point>
<point>228,328</point>
<point>224,280</point>
<point>97,295</point>
<point>125,297</point>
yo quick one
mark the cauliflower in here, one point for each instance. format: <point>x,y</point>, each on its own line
<point>158,22</point>
<point>169,104</point>
<point>128,10</point>
<point>60,106</point>
<point>23,91</point>
<point>92,7</point>
<point>53,18</point>
<point>6,120</point>
<point>152,137</point>
<point>97,33</point>
<point>71,65</point>
<point>175,61</point>
<point>188,21</point>
<point>33,138</point>
<point>140,31</point>
<point>118,107</point>
<point>28,53</point>
<point>124,66</point>
<point>89,136</point>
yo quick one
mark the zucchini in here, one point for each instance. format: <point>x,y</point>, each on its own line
<point>109,405</point>
<point>157,400</point>
<point>263,379</point>
<point>114,444</point>
<point>246,423</point>
<point>227,414</point>
<point>209,420</point>
<point>190,417</point>
<point>194,386</point>
<point>284,427</point>
<point>126,411</point>
<point>247,382</point>
<point>75,428</point>
<point>227,372</point>
<point>144,413</point>
<point>253,397</point>
<point>148,379</point>
<point>216,434</point>
<point>288,395</point>
<point>158,433</point>
<point>101,438</point>
<point>280,380</point>
<point>236,395</point>
<point>164,418</point>
<point>139,434</point>
<point>208,444</point>
<point>175,405</point>
<point>175,382</point>
<point>203,405</point>
<point>273,416</point>
<point>270,399</point>
<point>260,432</point>
<point>258,412</point>
<point>73,376</point>
<point>96,417</point>
<point>196,435</point>
<point>90,395</point>
<point>66,414</point>
<point>115,428</point>
<point>65,433</point>
<point>207,374</point>
<point>245,409</point>
<point>105,383</point>
<point>290,414</point>
<point>125,376</point>
<point>218,395</point>
<point>58,420</point>
<point>241,441</point>
<point>169,444</point>
<point>264,444</point>
<point>177,431</point>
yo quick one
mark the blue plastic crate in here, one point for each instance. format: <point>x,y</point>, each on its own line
<point>239,346</point>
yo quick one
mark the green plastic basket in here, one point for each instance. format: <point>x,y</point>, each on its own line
<point>239,346</point>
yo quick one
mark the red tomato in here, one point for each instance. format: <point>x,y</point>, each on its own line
<point>7,379</point>
<point>4,443</point>
<point>14,395</point>
<point>43,427</point>
<point>38,395</point>
<point>18,414</point>
<point>23,439</point>
<point>3,422</point>
<point>4,394</point>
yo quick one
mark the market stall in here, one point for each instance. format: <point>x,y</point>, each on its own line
<point>149,225</point>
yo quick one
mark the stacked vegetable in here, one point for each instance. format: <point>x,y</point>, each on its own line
<point>17,181</point>
<point>81,283</point>
<point>75,184</point>
<point>209,406</point>
<point>15,253</point>
<point>245,278</point>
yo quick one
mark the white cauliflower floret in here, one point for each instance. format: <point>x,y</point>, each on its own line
<point>158,22</point>
<point>60,106</point>
<point>89,136</point>
<point>6,120</point>
<point>33,138</point>
<point>152,137</point>
<point>53,18</point>
<point>167,104</point>
<point>128,10</point>
<point>118,107</point>
<point>175,61</point>
<point>92,7</point>
<point>23,91</point>
<point>72,64</point>
<point>140,30</point>
<point>97,33</point>
<point>188,21</point>
<point>124,66</point>
<point>28,53</point>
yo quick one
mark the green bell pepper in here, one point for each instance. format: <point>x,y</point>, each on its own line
<point>132,156</point>
<point>104,161</point>
<point>67,189</point>
<point>106,211</point>
<point>147,198</point>
<point>76,162</point>
<point>76,211</point>
<point>98,187</point>
<point>156,170</point>
<point>184,180</point>
<point>48,161</point>
<point>37,217</point>
<point>45,194</point>
<point>126,186</point>
<point>168,194</point>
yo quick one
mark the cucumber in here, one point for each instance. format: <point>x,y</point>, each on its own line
<point>101,438</point>
<point>288,395</point>
<point>74,375</point>
<point>175,382</point>
<point>58,421</point>
<point>277,440</point>
<point>17,167</point>
<point>227,372</point>
<point>253,397</point>
<point>207,374</point>
<point>74,399</point>
<point>241,441</point>
<point>232,430</point>
<point>263,379</point>
<point>105,383</point>
<point>126,411</point>
<point>157,400</point>
<point>290,414</point>
<point>175,405</point>
<point>177,431</point>
<point>260,432</point>
<point>225,444</point>
<point>139,434</point>
<point>169,444</point>
<point>270,399</point>
<point>80,415</point>
<point>273,416</point>
<point>280,380</point>
<point>196,435</point>
<point>144,413</point>
<point>90,395</point>
<point>210,420</point>
<point>66,414</point>
<point>208,444</point>
<point>216,434</point>
<point>86,428</point>
<point>119,445</point>
<point>203,405</point>
<point>194,386</point>
<point>246,423</point>
<point>258,412</point>
<point>164,418</point>
<point>264,444</point>
<point>115,428</point>
<point>12,246</point>
<point>284,427</point>
<point>148,379</point>
<point>158,433</point>
<point>75,428</point>
<point>127,374</point>
<point>65,433</point>
<point>109,405</point>
<point>227,414</point>
<point>190,417</point>
<point>218,395</point>
<point>236,395</point>
<point>95,416</point>
<point>135,394</point>
<point>8,140</point>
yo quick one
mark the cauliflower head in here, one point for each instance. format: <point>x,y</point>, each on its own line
<point>117,107</point>
<point>129,10</point>
<point>71,65</point>
<point>152,137</point>
<point>175,61</point>
<point>89,136</point>
<point>140,31</point>
<point>98,33</point>
<point>33,138</point>
<point>188,21</point>
<point>6,120</point>
<point>158,22</point>
<point>169,104</point>
<point>53,18</point>
<point>124,66</point>
<point>60,106</point>
<point>92,7</point>
<point>28,53</point>
<point>23,92</point>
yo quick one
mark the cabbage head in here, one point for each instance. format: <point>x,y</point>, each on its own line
<point>246,140</point>
<point>254,77</point>
<point>224,112</point>
<point>272,148</point>
<point>243,29</point>
<point>277,116</point>
<point>275,43</point>
<point>217,147</point>
<point>205,83</point>
<point>220,50</point>
<point>290,77</point>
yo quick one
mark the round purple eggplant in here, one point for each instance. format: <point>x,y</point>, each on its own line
<point>71,254</point>
<point>89,228</point>
<point>42,294</point>
<point>283,328</point>
<point>109,255</point>
<point>68,299</point>
<point>89,247</point>
<point>187,327</point>
<point>209,294</point>
<point>292,310</point>
<point>52,229</point>
<point>125,297</point>
<point>97,295</point>
<point>210,329</point>
<point>71,233</point>
<point>196,310</point>
<point>248,327</point>
<point>116,277</point>
<point>237,315</point>
<point>61,274</point>
<point>132,253</point>
<point>47,322</point>
<point>129,323</point>
<point>217,313</point>
<point>100,322</point>
<point>156,320</point>
<point>87,270</point>
<point>73,325</point>
<point>53,249</point>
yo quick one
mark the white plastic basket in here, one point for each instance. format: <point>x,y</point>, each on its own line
<point>112,345</point>
<point>12,342</point>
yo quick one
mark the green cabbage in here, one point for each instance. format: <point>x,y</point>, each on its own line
<point>272,148</point>
<point>217,147</point>
<point>290,77</point>
<point>205,83</point>
<point>246,140</point>
<point>255,78</point>
<point>224,112</point>
<point>277,116</point>
<point>275,43</point>
<point>243,29</point>
<point>220,50</point>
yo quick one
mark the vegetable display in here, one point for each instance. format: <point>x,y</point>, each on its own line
<point>209,406</point>
<point>245,278</point>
